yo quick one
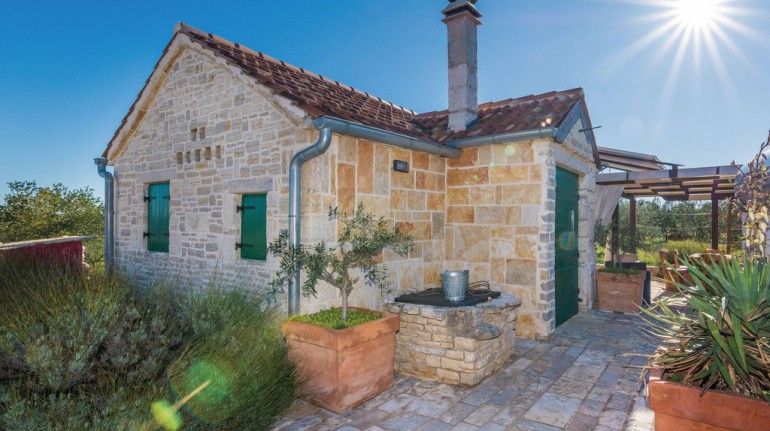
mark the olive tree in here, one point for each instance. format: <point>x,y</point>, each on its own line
<point>361,240</point>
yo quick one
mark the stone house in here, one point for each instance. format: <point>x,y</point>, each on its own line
<point>204,176</point>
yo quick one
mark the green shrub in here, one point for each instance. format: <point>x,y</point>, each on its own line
<point>125,409</point>
<point>142,342</point>
<point>87,352</point>
<point>62,329</point>
<point>721,342</point>
<point>239,349</point>
<point>53,324</point>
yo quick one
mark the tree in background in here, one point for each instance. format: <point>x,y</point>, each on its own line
<point>659,222</point>
<point>30,212</point>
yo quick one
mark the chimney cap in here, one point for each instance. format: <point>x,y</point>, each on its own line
<point>458,6</point>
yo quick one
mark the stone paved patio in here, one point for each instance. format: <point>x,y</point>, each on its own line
<point>583,379</point>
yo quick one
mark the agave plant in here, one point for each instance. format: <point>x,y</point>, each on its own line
<point>721,340</point>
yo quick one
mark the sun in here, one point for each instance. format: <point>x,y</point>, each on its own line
<point>697,14</point>
<point>685,35</point>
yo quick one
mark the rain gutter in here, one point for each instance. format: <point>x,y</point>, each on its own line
<point>548,132</point>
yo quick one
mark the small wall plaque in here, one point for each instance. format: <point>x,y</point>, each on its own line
<point>400,166</point>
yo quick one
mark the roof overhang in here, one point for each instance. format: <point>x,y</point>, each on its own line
<point>559,134</point>
<point>630,161</point>
<point>677,184</point>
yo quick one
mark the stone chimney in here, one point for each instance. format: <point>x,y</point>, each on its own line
<point>461,20</point>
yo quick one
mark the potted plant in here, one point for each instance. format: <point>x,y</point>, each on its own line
<point>712,370</point>
<point>620,289</point>
<point>713,366</point>
<point>346,354</point>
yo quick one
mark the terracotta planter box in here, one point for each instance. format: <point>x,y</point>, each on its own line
<point>680,407</point>
<point>343,368</point>
<point>620,292</point>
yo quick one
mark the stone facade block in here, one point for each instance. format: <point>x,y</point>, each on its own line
<point>468,177</point>
<point>461,214</point>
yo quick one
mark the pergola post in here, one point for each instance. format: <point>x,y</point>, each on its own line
<point>632,222</point>
<point>729,241</point>
<point>615,240</point>
<point>714,223</point>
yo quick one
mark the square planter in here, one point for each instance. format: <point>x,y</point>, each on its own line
<point>620,292</point>
<point>343,368</point>
<point>681,407</point>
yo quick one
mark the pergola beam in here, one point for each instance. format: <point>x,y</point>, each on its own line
<point>678,184</point>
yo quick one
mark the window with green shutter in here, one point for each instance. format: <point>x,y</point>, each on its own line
<point>158,202</point>
<point>253,243</point>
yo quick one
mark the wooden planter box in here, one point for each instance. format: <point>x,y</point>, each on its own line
<point>343,368</point>
<point>620,292</point>
<point>680,407</point>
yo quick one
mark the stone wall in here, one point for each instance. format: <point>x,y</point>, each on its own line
<point>353,171</point>
<point>495,196</point>
<point>462,345</point>
<point>214,135</point>
<point>500,221</point>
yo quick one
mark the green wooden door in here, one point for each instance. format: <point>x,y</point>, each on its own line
<point>253,243</point>
<point>566,245</point>
<point>158,217</point>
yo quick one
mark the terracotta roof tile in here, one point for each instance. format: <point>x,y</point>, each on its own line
<point>320,96</point>
<point>507,116</point>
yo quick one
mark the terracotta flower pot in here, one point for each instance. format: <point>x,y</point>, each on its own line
<point>343,368</point>
<point>680,407</point>
<point>620,292</point>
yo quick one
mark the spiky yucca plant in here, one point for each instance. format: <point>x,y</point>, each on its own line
<point>723,340</point>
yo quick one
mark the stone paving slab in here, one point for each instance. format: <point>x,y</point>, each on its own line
<point>585,378</point>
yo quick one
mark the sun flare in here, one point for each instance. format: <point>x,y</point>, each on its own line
<point>697,13</point>
<point>689,37</point>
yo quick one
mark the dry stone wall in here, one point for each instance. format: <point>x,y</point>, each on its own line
<point>462,345</point>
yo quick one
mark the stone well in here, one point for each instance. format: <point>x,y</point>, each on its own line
<point>462,345</point>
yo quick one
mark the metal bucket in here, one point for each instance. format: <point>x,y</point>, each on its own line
<point>455,285</point>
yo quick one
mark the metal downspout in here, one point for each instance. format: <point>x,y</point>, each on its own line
<point>109,213</point>
<point>295,199</point>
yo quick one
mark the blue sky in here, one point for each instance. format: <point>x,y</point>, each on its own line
<point>70,70</point>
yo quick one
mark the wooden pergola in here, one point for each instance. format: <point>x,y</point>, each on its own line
<point>646,176</point>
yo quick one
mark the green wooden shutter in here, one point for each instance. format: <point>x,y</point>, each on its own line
<point>254,227</point>
<point>158,217</point>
